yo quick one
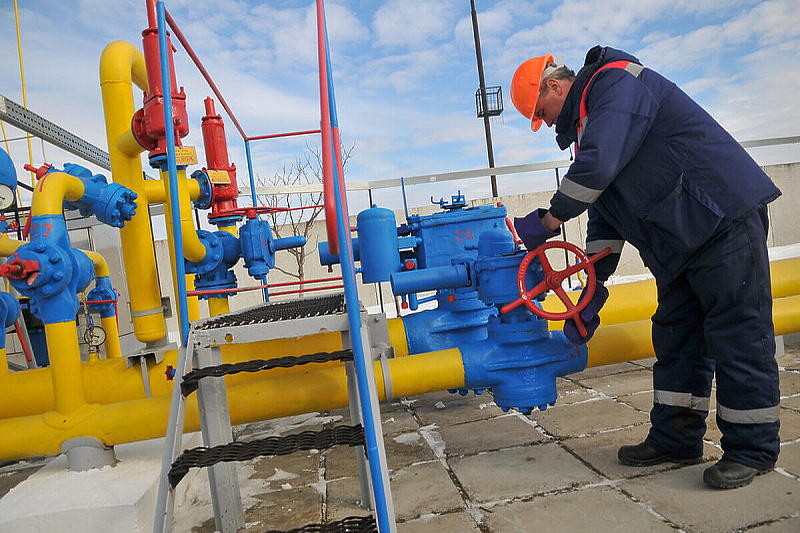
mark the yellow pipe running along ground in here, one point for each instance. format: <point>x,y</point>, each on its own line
<point>115,411</point>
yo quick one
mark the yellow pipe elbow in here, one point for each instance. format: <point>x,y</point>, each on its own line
<point>122,63</point>
<point>3,361</point>
<point>121,66</point>
<point>52,190</point>
<point>100,264</point>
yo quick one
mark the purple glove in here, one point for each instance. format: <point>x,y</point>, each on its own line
<point>531,230</point>
<point>589,316</point>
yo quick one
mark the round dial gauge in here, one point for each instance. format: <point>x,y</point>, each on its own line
<point>95,336</point>
<point>6,196</point>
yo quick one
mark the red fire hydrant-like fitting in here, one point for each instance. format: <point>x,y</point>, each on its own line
<point>148,123</point>
<point>226,191</point>
<point>17,268</point>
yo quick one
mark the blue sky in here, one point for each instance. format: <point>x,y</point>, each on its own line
<point>405,72</point>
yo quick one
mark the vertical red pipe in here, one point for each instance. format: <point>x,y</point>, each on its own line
<point>327,139</point>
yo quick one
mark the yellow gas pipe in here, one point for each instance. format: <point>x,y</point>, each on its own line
<point>121,66</point>
<point>248,402</point>
<point>631,302</point>
<point>193,248</point>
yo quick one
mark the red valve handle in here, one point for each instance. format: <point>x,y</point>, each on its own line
<point>552,281</point>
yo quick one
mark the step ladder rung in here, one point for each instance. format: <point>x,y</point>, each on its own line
<point>203,456</point>
<point>351,524</point>
<point>191,380</point>
<point>280,311</point>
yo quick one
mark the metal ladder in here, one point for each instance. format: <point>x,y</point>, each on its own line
<point>219,451</point>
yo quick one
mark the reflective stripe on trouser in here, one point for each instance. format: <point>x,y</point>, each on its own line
<point>716,318</point>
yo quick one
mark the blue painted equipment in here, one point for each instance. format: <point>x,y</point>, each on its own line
<point>103,297</point>
<point>111,203</point>
<point>468,256</point>
<point>49,271</point>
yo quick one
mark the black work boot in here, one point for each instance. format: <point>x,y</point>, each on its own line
<point>727,474</point>
<point>643,454</point>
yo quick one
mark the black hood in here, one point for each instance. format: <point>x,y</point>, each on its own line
<point>567,121</point>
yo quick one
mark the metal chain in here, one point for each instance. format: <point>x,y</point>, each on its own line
<point>242,451</point>
<point>191,380</point>
<point>351,524</point>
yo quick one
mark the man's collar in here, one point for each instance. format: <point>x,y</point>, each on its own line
<point>567,121</point>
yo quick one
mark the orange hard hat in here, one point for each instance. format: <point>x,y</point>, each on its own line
<point>525,87</point>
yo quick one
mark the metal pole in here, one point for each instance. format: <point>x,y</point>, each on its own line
<point>486,126</point>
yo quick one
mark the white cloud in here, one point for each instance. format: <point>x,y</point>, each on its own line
<point>414,24</point>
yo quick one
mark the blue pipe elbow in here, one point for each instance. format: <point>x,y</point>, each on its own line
<point>103,292</point>
<point>111,203</point>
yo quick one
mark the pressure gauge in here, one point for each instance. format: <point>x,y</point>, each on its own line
<point>94,336</point>
<point>6,196</point>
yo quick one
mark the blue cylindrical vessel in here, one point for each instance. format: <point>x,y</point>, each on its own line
<point>377,235</point>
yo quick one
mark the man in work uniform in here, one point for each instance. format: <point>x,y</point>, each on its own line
<point>656,170</point>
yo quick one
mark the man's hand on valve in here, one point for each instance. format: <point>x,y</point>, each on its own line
<point>590,316</point>
<point>532,230</point>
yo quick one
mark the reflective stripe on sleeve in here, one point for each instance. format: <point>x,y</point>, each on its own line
<point>594,247</point>
<point>578,192</point>
<point>765,415</point>
<point>681,399</point>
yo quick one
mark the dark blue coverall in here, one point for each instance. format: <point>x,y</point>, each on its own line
<point>656,170</point>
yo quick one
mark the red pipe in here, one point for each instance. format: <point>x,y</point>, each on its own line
<point>327,139</point>
<point>275,135</point>
<point>205,292</point>
<point>25,348</point>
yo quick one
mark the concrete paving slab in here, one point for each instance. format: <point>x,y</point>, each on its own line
<point>600,451</point>
<point>641,401</point>
<point>281,510</point>
<point>587,418</point>
<point>607,370</point>
<point>680,497</point>
<point>398,421</point>
<point>789,458</point>
<point>422,489</point>
<point>790,382</point>
<point>792,402</point>
<point>645,363</point>
<point>491,434</point>
<point>297,469</point>
<point>621,384</point>
<point>520,472</point>
<point>457,410</point>
<point>343,499</point>
<point>592,509</point>
<point>454,522</point>
<point>789,525</point>
<point>570,392</point>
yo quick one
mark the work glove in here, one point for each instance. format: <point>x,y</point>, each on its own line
<point>590,316</point>
<point>531,230</point>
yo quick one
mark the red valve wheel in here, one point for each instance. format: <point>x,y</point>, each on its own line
<point>552,281</point>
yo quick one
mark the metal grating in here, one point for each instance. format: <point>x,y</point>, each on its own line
<point>274,312</point>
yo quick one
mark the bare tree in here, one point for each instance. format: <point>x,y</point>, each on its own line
<point>303,208</point>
